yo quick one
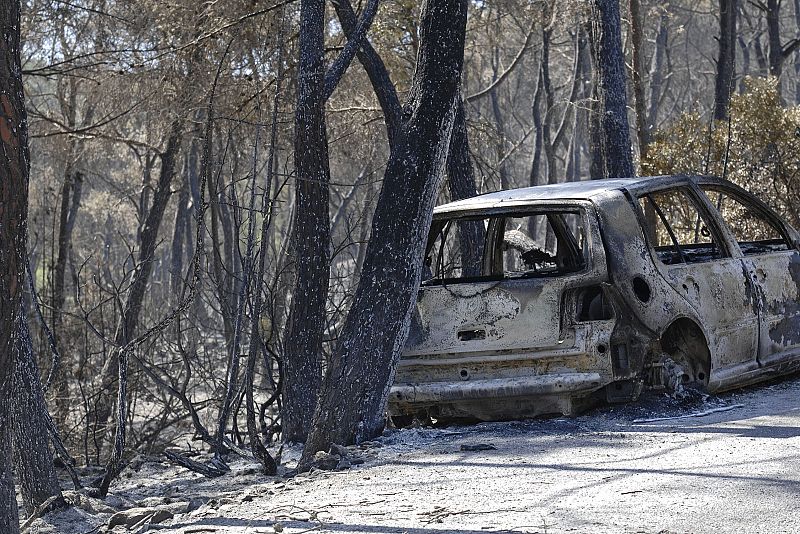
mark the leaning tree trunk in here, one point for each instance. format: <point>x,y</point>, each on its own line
<point>460,173</point>
<point>116,367</point>
<point>129,320</point>
<point>303,361</point>
<point>615,142</point>
<point>376,70</point>
<point>356,385</point>
<point>726,60</point>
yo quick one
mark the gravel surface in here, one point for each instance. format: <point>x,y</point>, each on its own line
<point>730,463</point>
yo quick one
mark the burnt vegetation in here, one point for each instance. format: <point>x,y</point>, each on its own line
<point>214,216</point>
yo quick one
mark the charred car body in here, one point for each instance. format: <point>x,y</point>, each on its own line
<point>542,300</point>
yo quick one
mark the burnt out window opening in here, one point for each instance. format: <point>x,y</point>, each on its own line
<point>542,244</point>
<point>455,250</point>
<point>504,246</point>
<point>751,228</point>
<point>677,230</point>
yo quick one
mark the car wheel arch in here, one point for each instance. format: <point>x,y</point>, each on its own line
<point>686,343</point>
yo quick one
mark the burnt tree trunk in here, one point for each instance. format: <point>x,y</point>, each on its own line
<point>71,190</point>
<point>460,172</point>
<point>461,183</point>
<point>116,365</point>
<point>797,57</point>
<point>657,71</point>
<point>33,459</point>
<point>549,106</point>
<point>615,143</point>
<point>356,385</point>
<point>14,169</point>
<point>303,361</point>
<point>778,53</point>
<point>637,41</point>
<point>182,226</point>
<point>499,122</point>
<point>726,59</point>
<point>373,65</point>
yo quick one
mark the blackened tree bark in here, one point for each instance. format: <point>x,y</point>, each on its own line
<point>71,190</point>
<point>637,42</point>
<point>460,171</point>
<point>311,239</point>
<point>183,216</point>
<point>303,370</point>
<point>33,459</point>
<point>797,57</point>
<point>499,122</point>
<point>609,60</point>
<point>534,176</point>
<point>116,367</point>
<point>778,52</point>
<point>657,71</point>
<point>461,184</point>
<point>549,105</point>
<point>373,65</point>
<point>726,59</point>
<point>356,385</point>
<point>14,169</point>
<point>129,320</point>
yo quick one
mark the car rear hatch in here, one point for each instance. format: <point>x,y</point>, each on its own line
<point>509,296</point>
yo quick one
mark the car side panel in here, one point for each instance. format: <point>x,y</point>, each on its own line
<point>776,277</point>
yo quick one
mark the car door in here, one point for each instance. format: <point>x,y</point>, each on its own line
<point>772,265</point>
<point>695,258</point>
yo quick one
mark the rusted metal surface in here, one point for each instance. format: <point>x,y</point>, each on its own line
<point>639,307</point>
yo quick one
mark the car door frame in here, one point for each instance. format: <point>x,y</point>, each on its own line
<point>733,346</point>
<point>761,269</point>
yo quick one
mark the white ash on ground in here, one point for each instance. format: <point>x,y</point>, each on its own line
<point>733,468</point>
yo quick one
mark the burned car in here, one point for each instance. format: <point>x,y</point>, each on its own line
<point>546,299</point>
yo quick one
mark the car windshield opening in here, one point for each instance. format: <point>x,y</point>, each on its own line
<point>505,246</point>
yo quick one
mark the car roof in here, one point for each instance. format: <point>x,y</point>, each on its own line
<point>584,190</point>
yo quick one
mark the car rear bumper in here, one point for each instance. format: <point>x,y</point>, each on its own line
<point>527,386</point>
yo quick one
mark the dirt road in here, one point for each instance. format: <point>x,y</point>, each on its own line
<point>613,470</point>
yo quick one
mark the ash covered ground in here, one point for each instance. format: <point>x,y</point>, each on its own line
<point>729,463</point>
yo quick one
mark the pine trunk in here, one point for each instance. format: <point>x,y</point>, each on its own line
<point>615,143</point>
<point>303,359</point>
<point>33,459</point>
<point>14,169</point>
<point>357,381</point>
<point>726,60</point>
<point>461,183</point>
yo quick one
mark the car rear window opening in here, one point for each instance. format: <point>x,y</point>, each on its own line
<point>505,246</point>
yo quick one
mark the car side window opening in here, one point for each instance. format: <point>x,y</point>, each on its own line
<point>753,231</point>
<point>505,246</point>
<point>676,228</point>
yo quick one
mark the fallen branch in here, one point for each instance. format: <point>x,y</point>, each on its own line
<point>209,470</point>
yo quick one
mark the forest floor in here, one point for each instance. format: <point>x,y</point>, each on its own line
<point>657,466</point>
